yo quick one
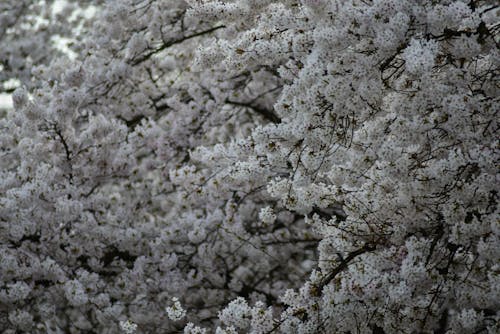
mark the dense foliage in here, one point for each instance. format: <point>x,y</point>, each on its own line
<point>251,166</point>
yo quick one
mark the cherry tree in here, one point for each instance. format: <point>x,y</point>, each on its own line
<point>313,166</point>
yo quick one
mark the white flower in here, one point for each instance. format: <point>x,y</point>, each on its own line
<point>75,293</point>
<point>19,97</point>
<point>192,329</point>
<point>420,56</point>
<point>175,312</point>
<point>267,215</point>
<point>128,326</point>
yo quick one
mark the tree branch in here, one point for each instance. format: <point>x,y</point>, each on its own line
<point>267,114</point>
<point>341,267</point>
<point>177,41</point>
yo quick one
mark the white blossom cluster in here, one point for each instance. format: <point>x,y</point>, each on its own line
<point>175,312</point>
<point>33,33</point>
<point>287,166</point>
<point>128,327</point>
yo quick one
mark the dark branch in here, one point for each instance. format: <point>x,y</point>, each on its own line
<point>267,114</point>
<point>341,267</point>
<point>174,42</point>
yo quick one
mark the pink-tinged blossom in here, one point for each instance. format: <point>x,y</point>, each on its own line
<point>278,166</point>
